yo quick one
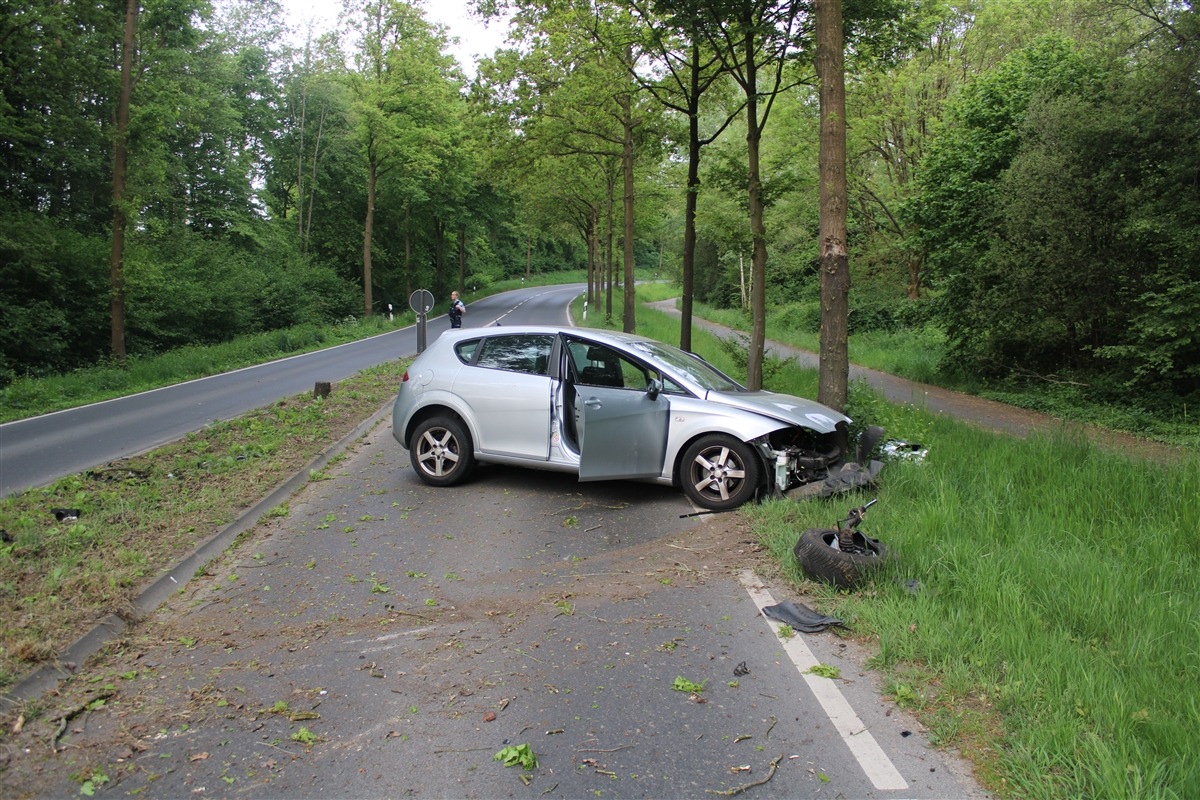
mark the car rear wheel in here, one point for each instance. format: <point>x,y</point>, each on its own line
<point>719,472</point>
<point>441,451</point>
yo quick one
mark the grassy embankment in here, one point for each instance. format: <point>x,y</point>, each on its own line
<point>1051,632</point>
<point>915,353</point>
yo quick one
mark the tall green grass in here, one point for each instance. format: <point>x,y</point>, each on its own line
<point>1044,592</point>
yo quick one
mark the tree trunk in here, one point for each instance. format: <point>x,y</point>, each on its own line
<point>312,182</point>
<point>593,257</point>
<point>116,263</point>
<point>440,280</point>
<point>915,262</point>
<point>300,165</point>
<point>462,260</point>
<point>368,228</point>
<point>833,387</point>
<point>758,228</point>
<point>609,257</point>
<point>689,209</point>
<point>408,289</point>
<point>630,301</point>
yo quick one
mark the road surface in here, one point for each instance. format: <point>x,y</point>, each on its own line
<point>39,450</point>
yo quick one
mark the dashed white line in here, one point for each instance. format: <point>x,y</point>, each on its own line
<point>874,762</point>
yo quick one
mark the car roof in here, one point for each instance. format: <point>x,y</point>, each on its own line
<point>597,334</point>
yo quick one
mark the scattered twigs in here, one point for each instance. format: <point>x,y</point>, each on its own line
<point>600,750</point>
<point>739,789</point>
<point>277,747</point>
<point>65,719</point>
<point>771,727</point>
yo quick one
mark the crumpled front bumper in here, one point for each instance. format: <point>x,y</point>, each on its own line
<point>840,478</point>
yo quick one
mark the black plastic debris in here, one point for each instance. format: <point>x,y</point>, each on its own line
<point>862,473</point>
<point>741,669</point>
<point>7,538</point>
<point>801,617</point>
<point>65,514</point>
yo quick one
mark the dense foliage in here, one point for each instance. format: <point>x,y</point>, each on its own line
<point>1024,177</point>
<point>249,153</point>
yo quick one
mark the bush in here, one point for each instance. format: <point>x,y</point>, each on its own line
<point>802,317</point>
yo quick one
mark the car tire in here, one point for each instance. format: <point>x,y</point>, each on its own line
<point>441,451</point>
<point>719,472</point>
<point>821,561</point>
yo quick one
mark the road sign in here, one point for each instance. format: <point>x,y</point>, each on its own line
<point>421,301</point>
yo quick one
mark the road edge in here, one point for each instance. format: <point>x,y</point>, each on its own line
<point>104,631</point>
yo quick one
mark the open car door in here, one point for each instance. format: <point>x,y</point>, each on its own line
<point>621,415</point>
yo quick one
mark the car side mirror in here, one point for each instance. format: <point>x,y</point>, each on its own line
<point>653,388</point>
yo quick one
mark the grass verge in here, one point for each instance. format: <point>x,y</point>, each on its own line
<point>140,516</point>
<point>915,354</point>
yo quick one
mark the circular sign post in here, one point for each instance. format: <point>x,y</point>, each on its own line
<point>421,302</point>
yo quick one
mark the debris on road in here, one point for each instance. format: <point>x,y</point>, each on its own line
<point>744,787</point>
<point>800,617</point>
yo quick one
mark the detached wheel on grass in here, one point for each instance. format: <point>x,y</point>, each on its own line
<point>821,560</point>
<point>441,451</point>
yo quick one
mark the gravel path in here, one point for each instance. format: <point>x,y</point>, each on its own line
<point>987,414</point>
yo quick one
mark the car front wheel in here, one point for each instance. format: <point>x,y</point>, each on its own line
<point>441,451</point>
<point>719,472</point>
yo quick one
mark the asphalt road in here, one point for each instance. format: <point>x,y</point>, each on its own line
<point>39,450</point>
<point>387,638</point>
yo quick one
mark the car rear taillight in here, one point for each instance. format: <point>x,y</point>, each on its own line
<point>405,378</point>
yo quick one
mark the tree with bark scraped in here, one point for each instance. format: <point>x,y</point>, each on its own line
<point>835,263</point>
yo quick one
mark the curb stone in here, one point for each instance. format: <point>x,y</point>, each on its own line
<point>48,676</point>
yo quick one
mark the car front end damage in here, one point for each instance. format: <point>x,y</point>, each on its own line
<point>801,463</point>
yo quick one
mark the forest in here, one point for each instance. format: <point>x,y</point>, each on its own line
<point>1023,176</point>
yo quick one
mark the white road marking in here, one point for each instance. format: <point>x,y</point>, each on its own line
<point>874,762</point>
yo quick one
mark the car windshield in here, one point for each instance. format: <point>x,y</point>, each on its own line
<point>700,371</point>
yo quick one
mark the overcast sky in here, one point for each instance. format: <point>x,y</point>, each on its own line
<point>475,39</point>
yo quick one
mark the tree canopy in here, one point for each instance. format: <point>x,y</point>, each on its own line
<point>1023,177</point>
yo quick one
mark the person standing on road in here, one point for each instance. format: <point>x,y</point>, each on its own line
<point>457,309</point>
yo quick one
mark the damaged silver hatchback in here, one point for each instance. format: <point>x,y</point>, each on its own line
<point>605,405</point>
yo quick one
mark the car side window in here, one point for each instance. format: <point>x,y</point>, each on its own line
<point>671,387</point>
<point>528,353</point>
<point>466,350</point>
<point>597,365</point>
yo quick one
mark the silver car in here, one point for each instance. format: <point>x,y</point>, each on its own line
<point>605,405</point>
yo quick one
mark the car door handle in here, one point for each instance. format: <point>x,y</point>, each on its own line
<point>593,402</point>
